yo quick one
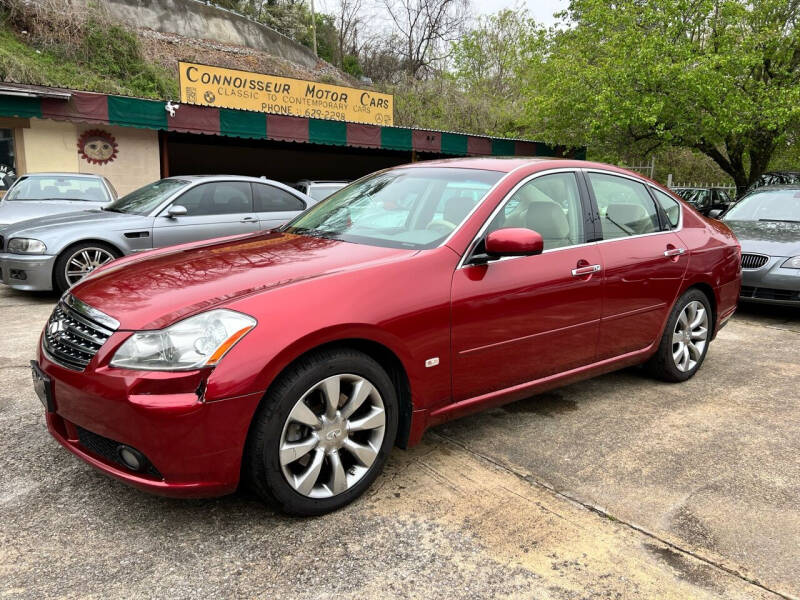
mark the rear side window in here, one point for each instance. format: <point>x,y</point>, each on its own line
<point>220,198</point>
<point>625,206</point>
<point>670,206</point>
<point>271,199</point>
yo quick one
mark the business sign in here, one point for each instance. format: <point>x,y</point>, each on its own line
<point>231,88</point>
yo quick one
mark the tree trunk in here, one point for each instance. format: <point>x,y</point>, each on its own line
<point>732,161</point>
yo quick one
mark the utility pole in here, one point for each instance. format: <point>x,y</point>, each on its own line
<point>314,27</point>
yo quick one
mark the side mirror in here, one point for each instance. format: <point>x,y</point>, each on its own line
<point>514,241</point>
<point>176,210</point>
<point>715,213</point>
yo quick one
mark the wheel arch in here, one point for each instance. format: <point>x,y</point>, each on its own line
<point>67,247</point>
<point>385,356</point>
<point>708,291</point>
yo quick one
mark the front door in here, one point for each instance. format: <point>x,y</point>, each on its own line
<point>213,210</point>
<point>519,319</point>
<point>644,263</point>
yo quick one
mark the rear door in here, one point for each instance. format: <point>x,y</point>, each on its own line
<point>214,209</point>
<point>644,261</point>
<point>275,206</point>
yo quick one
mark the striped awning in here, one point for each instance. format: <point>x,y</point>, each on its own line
<point>88,107</point>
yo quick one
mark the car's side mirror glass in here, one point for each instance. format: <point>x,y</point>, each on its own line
<point>715,213</point>
<point>514,241</point>
<point>176,210</point>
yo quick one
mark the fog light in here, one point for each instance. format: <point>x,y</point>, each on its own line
<point>131,458</point>
<point>17,274</point>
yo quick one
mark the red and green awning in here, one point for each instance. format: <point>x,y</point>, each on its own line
<point>87,107</point>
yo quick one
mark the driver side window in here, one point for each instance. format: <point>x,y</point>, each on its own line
<point>549,205</point>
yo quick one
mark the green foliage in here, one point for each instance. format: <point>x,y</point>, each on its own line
<point>352,66</point>
<point>484,90</point>
<point>92,55</point>
<point>720,76</point>
<point>23,63</point>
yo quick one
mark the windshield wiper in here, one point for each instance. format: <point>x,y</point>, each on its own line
<point>777,221</point>
<point>109,209</point>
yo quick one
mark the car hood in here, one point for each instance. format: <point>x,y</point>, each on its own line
<point>14,211</point>
<point>153,291</point>
<point>767,237</point>
<point>39,227</point>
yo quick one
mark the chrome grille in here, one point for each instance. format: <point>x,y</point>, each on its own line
<point>71,339</point>
<point>754,261</point>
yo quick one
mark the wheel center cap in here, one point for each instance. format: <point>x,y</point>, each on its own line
<point>333,433</point>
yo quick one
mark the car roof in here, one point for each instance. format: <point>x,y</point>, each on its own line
<point>62,174</point>
<point>777,186</point>
<point>511,163</point>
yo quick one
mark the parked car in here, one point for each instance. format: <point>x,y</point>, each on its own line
<point>297,358</point>
<point>39,194</point>
<point>775,178</point>
<point>319,190</point>
<point>706,200</point>
<point>767,223</point>
<point>58,251</point>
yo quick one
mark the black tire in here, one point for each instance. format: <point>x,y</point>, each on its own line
<point>662,364</point>
<point>261,464</point>
<point>60,282</point>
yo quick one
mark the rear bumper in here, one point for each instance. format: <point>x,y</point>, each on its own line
<point>27,272</point>
<point>194,447</point>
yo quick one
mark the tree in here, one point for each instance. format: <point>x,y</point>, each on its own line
<point>424,30</point>
<point>490,63</point>
<point>719,76</point>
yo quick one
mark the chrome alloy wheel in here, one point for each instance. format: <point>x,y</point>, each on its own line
<point>690,336</point>
<point>332,436</point>
<point>84,261</point>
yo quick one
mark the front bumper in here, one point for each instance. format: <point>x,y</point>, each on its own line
<point>771,284</point>
<point>193,447</point>
<point>29,272</point>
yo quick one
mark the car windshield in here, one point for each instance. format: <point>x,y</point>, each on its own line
<point>146,199</point>
<point>402,208</point>
<point>321,191</point>
<point>58,187</point>
<point>769,205</point>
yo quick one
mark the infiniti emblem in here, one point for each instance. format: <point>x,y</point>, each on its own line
<point>56,327</point>
<point>333,434</point>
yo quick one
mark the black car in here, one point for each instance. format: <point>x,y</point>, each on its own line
<point>704,200</point>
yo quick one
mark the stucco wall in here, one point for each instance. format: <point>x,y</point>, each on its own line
<point>48,145</point>
<point>194,19</point>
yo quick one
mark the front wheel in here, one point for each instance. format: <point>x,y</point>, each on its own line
<point>77,261</point>
<point>323,433</point>
<point>684,343</point>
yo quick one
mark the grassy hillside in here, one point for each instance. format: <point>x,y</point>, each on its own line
<point>103,57</point>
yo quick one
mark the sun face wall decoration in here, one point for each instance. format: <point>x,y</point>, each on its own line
<point>97,146</point>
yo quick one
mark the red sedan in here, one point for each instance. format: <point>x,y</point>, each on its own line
<point>295,359</point>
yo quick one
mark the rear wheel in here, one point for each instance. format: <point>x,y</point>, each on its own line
<point>77,261</point>
<point>684,344</point>
<point>323,433</point>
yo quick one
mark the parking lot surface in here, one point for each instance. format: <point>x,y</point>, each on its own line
<point>618,487</point>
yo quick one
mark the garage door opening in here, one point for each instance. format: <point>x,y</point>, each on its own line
<point>189,154</point>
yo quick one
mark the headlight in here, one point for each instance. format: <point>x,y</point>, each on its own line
<point>26,246</point>
<point>792,263</point>
<point>199,341</point>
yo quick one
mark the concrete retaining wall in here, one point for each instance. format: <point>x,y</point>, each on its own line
<point>194,19</point>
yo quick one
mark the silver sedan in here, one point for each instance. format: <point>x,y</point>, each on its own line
<point>55,252</point>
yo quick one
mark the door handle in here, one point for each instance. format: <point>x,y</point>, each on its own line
<point>582,271</point>
<point>674,251</point>
<point>248,220</point>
